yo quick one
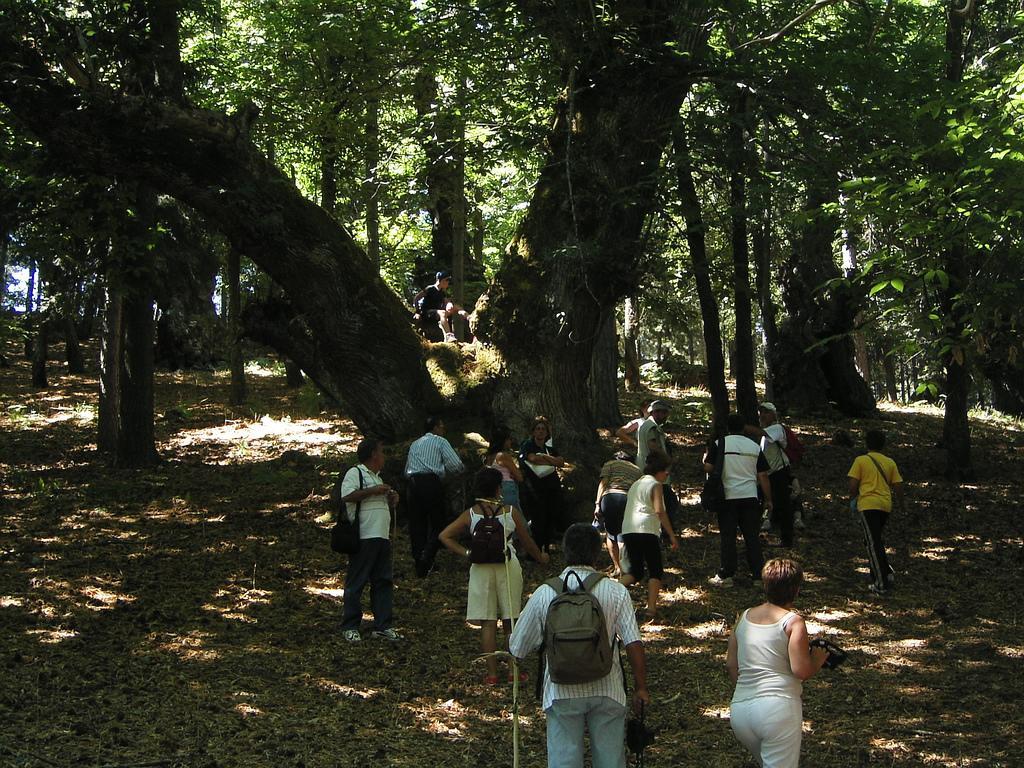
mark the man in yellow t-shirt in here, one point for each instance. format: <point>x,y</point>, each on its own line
<point>875,483</point>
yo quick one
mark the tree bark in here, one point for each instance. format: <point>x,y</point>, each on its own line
<point>576,252</point>
<point>237,359</point>
<point>72,350</point>
<point>109,418</point>
<point>737,158</point>
<point>603,383</point>
<point>207,161</point>
<point>888,359</point>
<point>371,184</point>
<point>815,369</point>
<point>956,431</point>
<point>695,231</point>
<point>136,440</point>
<point>40,344</point>
<point>761,241</point>
<point>630,343</point>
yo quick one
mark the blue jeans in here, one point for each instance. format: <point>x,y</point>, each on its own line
<point>370,565</point>
<point>604,718</point>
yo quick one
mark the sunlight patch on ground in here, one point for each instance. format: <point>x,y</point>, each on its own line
<point>823,628</point>
<point>105,599</point>
<point>690,533</point>
<point>685,650</point>
<point>24,417</point>
<point>891,745</point>
<point>683,594</point>
<point>1010,651</point>
<point>716,628</point>
<point>312,435</point>
<point>10,601</point>
<point>827,615</point>
<point>346,691</point>
<point>334,592</point>
<point>244,707</point>
<point>719,713</point>
<point>433,718</point>
<point>189,646</point>
<point>52,636</point>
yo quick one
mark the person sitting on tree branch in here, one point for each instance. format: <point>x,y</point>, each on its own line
<point>433,307</point>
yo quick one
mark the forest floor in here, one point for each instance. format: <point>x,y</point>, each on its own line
<point>188,615</point>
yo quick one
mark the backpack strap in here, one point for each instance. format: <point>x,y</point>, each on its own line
<point>881,472</point>
<point>591,581</point>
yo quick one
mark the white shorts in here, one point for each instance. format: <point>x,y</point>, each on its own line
<point>491,595</point>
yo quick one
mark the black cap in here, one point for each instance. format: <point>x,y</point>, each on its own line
<point>443,275</point>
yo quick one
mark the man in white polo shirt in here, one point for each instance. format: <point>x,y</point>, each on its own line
<point>362,486</point>
<point>599,706</point>
<point>744,469</point>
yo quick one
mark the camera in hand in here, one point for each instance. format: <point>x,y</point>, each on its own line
<point>638,735</point>
<point>836,655</point>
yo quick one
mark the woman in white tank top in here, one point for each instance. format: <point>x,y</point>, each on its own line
<point>769,658</point>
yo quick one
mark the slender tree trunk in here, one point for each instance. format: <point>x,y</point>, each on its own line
<point>30,288</point>
<point>888,359</point>
<point>371,183</point>
<point>293,374</point>
<point>237,360</point>
<point>4,244</point>
<point>630,339</point>
<point>39,352</point>
<point>762,247</point>
<point>956,430</point>
<point>603,384</point>
<point>111,346</point>
<point>736,137</point>
<point>695,231</point>
<point>136,441</point>
<point>72,350</point>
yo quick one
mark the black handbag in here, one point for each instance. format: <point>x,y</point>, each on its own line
<point>345,533</point>
<point>712,495</point>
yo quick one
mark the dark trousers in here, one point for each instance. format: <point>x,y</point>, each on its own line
<point>744,514</point>
<point>370,565</point>
<point>672,505</point>
<point>544,507</point>
<point>782,509</point>
<point>873,523</point>
<point>427,518</point>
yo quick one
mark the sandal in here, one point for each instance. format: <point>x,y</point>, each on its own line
<point>523,676</point>
<point>491,680</point>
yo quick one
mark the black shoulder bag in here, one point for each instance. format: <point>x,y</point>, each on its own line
<point>345,533</point>
<point>712,495</point>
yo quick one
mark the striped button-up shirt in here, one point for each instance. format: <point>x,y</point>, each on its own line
<point>433,454</point>
<point>618,615</point>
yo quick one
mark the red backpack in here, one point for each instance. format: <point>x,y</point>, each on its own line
<point>794,448</point>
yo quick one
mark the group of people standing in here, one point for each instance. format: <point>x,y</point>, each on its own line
<point>768,656</point>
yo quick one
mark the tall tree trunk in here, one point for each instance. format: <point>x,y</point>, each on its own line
<point>575,254</point>
<point>956,432</point>
<point>111,346</point>
<point>136,441</point>
<point>72,350</point>
<point>814,360</point>
<point>4,244</point>
<point>236,358</point>
<point>761,240</point>
<point>888,358</point>
<point>40,351</point>
<point>630,342</point>
<point>371,183</point>
<point>603,383</point>
<point>293,374</point>
<point>328,175</point>
<point>736,142</point>
<point>30,288</point>
<point>695,231</point>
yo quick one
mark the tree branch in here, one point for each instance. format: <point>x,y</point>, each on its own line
<point>774,37</point>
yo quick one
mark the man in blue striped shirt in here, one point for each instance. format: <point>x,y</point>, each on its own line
<point>431,459</point>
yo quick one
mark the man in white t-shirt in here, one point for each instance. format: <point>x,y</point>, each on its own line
<point>744,469</point>
<point>363,489</point>
<point>598,707</point>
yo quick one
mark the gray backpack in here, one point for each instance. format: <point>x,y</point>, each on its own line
<point>576,644</point>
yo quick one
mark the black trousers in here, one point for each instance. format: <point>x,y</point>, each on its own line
<point>873,523</point>
<point>744,514</point>
<point>543,507</point>
<point>427,518</point>
<point>782,508</point>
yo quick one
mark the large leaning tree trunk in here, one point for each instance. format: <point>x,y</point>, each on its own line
<point>814,365</point>
<point>575,254</point>
<point>371,356</point>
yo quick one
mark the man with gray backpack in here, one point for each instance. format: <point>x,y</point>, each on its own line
<point>579,620</point>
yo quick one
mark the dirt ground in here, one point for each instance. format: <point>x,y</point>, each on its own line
<point>188,615</point>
